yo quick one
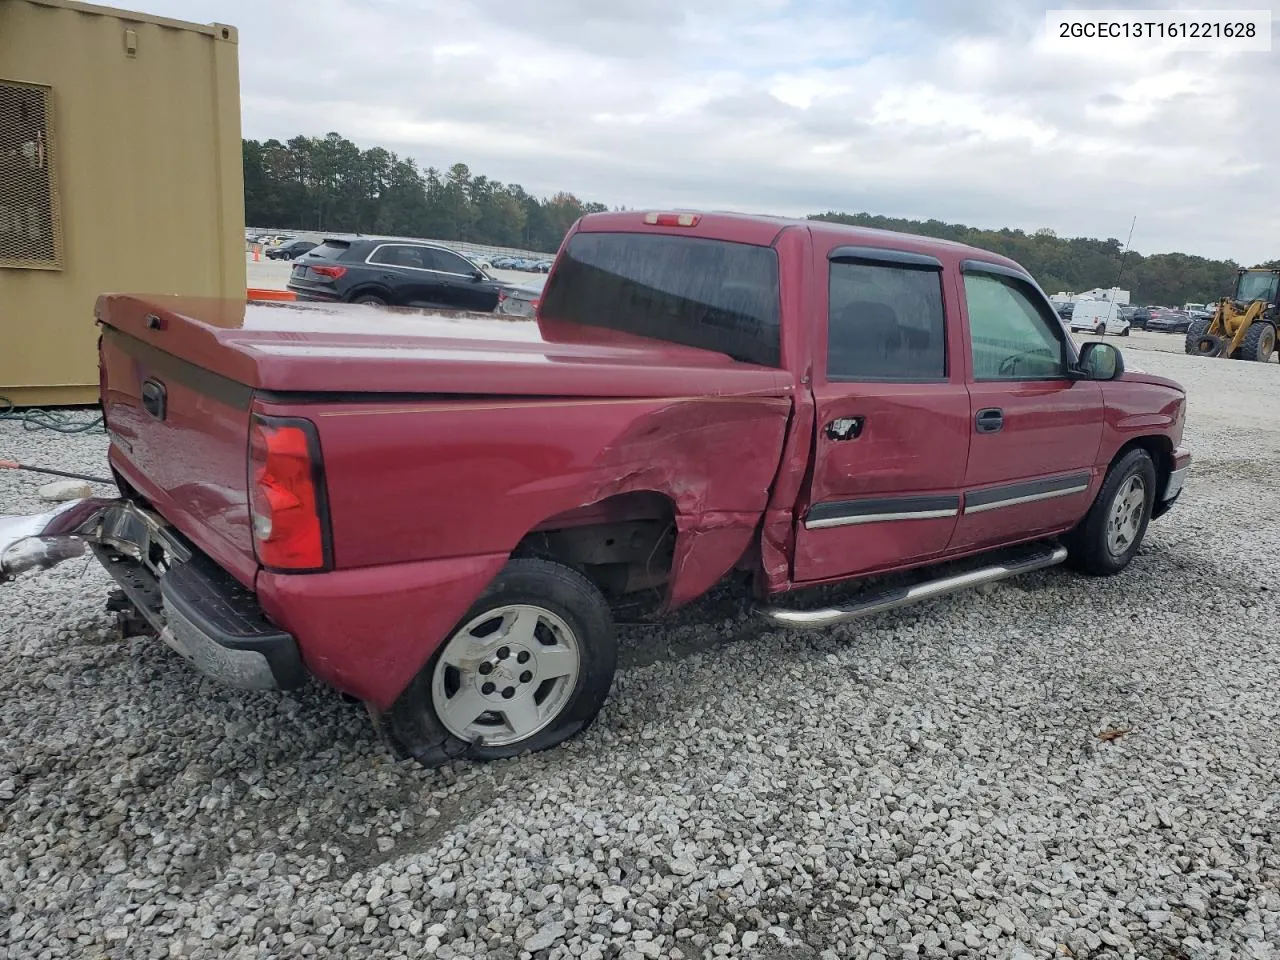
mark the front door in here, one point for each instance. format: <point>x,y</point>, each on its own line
<point>1035,431</point>
<point>892,419</point>
<point>459,287</point>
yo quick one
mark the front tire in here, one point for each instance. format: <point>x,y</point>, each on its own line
<point>1109,536</point>
<point>1259,342</point>
<point>526,668</point>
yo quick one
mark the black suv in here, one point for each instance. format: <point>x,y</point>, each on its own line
<point>291,250</point>
<point>402,273</point>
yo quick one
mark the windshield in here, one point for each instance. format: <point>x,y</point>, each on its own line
<point>698,292</point>
<point>1257,286</point>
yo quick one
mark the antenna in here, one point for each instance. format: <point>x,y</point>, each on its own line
<point>1120,272</point>
<point>1125,254</point>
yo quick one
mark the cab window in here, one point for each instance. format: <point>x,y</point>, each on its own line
<point>1010,336</point>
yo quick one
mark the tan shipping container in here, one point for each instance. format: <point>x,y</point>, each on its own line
<point>120,171</point>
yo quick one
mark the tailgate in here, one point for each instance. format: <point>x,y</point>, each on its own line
<point>179,437</point>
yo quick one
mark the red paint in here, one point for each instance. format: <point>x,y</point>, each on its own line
<point>1051,428</point>
<point>192,466</point>
<point>446,438</point>
<point>915,441</point>
<point>366,631</point>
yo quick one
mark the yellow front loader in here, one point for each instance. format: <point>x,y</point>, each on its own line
<point>1243,326</point>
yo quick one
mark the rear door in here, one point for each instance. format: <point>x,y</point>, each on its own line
<point>892,417</point>
<point>404,269</point>
<point>1035,431</point>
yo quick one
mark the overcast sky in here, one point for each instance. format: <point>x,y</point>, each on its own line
<point>958,110</point>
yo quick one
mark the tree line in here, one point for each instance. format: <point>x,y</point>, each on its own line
<point>329,184</point>
<point>1080,263</point>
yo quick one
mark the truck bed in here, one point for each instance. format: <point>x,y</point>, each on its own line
<point>216,361</point>
<point>351,348</point>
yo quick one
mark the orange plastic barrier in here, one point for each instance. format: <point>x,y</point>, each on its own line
<point>258,293</point>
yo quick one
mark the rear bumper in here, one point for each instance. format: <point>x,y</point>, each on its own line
<point>364,631</point>
<point>196,607</point>
<point>314,295</point>
<point>208,618</point>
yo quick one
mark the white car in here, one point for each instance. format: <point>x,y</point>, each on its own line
<point>1098,317</point>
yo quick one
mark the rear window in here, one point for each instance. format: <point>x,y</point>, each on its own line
<point>330,249</point>
<point>712,294</point>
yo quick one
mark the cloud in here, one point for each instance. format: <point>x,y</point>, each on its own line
<point>921,108</point>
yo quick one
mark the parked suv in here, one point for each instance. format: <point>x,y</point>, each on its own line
<point>401,273</point>
<point>291,250</point>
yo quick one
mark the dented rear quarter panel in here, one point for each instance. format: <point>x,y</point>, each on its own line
<point>428,500</point>
<point>437,479</point>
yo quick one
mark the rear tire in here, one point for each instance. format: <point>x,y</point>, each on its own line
<point>1100,329</point>
<point>371,299</point>
<point>1111,532</point>
<point>1196,331</point>
<point>1259,342</point>
<point>526,668</point>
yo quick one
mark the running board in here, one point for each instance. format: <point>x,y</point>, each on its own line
<point>903,596</point>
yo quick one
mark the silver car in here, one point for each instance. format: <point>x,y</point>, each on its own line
<point>518,301</point>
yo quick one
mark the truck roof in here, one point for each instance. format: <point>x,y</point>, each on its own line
<point>762,228</point>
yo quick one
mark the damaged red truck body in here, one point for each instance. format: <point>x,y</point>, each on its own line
<point>436,513</point>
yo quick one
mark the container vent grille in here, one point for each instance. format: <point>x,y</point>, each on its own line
<point>30,221</point>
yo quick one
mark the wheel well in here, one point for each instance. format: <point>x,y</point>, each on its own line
<point>1161,451</point>
<point>624,544</point>
<point>371,287</point>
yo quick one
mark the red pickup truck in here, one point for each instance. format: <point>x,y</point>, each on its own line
<point>436,513</point>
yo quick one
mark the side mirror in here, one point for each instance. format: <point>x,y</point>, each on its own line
<point>478,275</point>
<point>1100,361</point>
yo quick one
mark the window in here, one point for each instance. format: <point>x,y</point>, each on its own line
<point>695,291</point>
<point>1013,339</point>
<point>400,255</point>
<point>1257,286</point>
<point>419,257</point>
<point>331,249</point>
<point>447,262</point>
<point>885,322</point>
<point>30,225</point>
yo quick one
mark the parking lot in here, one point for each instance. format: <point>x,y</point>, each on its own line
<point>928,783</point>
<point>267,274</point>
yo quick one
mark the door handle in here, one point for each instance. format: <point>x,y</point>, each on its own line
<point>845,428</point>
<point>989,420</point>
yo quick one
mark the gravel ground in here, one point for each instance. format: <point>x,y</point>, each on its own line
<point>930,783</point>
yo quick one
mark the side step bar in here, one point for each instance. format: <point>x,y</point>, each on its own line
<point>903,596</point>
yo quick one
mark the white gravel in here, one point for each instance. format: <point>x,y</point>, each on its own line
<point>928,784</point>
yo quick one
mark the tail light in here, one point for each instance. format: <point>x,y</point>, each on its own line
<point>287,501</point>
<point>332,272</point>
